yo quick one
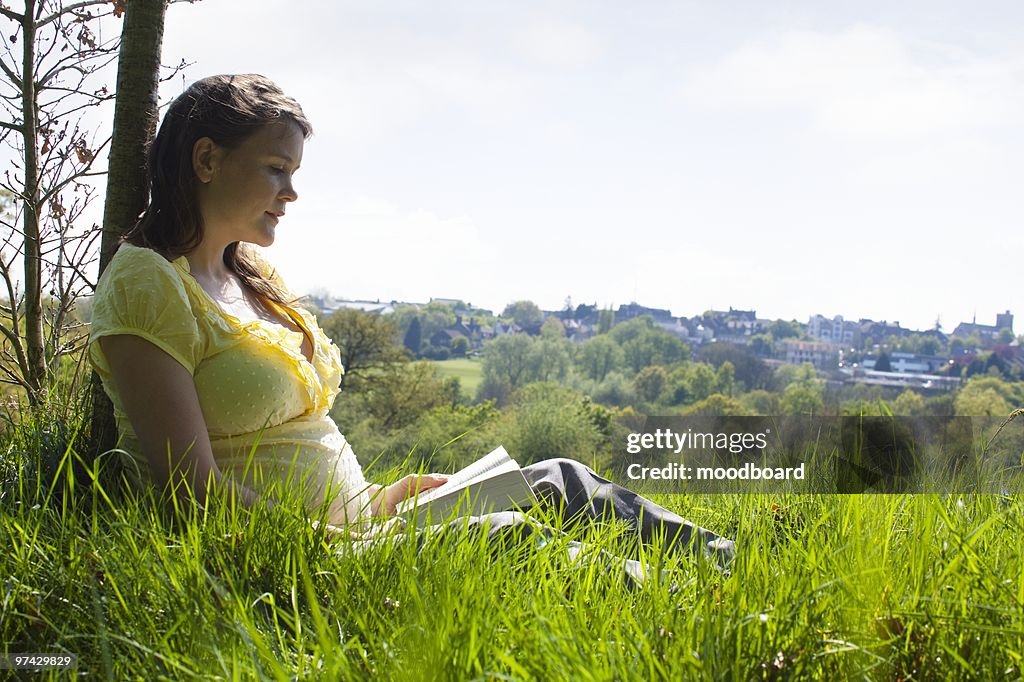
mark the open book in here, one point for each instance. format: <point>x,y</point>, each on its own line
<point>492,483</point>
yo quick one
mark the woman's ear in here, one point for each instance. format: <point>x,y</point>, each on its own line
<point>205,159</point>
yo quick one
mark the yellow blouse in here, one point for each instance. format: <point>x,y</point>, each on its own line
<point>264,403</point>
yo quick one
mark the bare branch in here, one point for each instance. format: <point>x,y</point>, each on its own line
<point>12,15</point>
<point>69,9</point>
<point>10,126</point>
<point>10,74</point>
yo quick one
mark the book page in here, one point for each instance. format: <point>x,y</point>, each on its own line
<point>495,461</point>
<point>492,460</point>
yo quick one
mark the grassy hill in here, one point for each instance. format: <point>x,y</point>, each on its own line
<point>468,372</point>
<point>824,587</point>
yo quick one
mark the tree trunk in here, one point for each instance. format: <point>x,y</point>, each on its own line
<point>135,118</point>
<point>33,258</point>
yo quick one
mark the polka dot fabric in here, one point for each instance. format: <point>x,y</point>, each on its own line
<point>265,404</point>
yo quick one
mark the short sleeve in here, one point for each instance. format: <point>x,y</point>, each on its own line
<point>141,294</point>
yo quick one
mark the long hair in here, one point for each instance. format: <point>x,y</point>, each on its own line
<point>227,109</point>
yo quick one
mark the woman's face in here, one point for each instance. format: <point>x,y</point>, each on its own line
<point>243,191</point>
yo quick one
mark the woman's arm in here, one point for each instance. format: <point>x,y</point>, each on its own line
<point>159,398</point>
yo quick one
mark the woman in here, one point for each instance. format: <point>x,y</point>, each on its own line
<point>213,372</point>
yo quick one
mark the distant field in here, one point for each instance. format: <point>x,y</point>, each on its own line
<point>468,372</point>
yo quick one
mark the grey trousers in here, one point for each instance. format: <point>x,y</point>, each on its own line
<point>580,495</point>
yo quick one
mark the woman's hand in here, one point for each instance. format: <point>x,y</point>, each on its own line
<point>386,500</point>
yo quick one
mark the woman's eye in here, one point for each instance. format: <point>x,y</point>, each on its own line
<point>277,169</point>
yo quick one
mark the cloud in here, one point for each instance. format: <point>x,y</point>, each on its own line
<point>373,248</point>
<point>558,44</point>
<point>864,82</point>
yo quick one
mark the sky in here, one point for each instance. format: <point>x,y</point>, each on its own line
<point>856,159</point>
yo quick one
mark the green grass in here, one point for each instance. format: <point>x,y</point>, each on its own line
<point>468,372</point>
<point>824,587</point>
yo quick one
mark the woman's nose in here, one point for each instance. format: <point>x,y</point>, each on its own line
<point>288,193</point>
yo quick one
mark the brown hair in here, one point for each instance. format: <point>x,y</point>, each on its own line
<point>227,109</point>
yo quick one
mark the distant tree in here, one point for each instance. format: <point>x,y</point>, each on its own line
<point>717,404</point>
<point>748,368</point>
<point>909,403</point>
<point>630,329</point>
<point>460,346</point>
<point>725,379</point>
<point>413,340</point>
<point>549,420</point>
<point>432,352</point>
<point>605,321</point>
<point>598,356</point>
<point>882,364</point>
<point>550,359</point>
<point>367,341</point>
<point>1005,335</point>
<point>761,402</point>
<point>982,402</point>
<point>996,366</point>
<point>781,329</point>
<point>650,382</point>
<point>552,328</point>
<point>433,317</point>
<point>398,396</point>
<point>524,313</point>
<point>653,347</point>
<point>802,399</point>
<point>507,357</point>
<point>700,381</point>
<point>928,345</point>
<point>585,312</point>
<point>794,374</point>
<point>976,367</point>
<point>761,345</point>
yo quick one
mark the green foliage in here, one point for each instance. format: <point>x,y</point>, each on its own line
<point>552,329</point>
<point>547,420</point>
<point>433,318</point>
<point>790,374</point>
<point>391,399</point>
<point>515,360</point>
<point>989,396</point>
<point>725,379</point>
<point>748,369</point>
<point>366,341</point>
<point>717,404</point>
<point>460,346</point>
<point>882,364</point>
<point>802,399</point>
<point>700,381</point>
<point>525,314</point>
<point>444,439</point>
<point>615,389</point>
<point>643,344</point>
<point>413,339</point>
<point>650,382</point>
<point>909,403</point>
<point>762,345</point>
<point>599,356</point>
<point>781,329</point>
<point>762,402</point>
